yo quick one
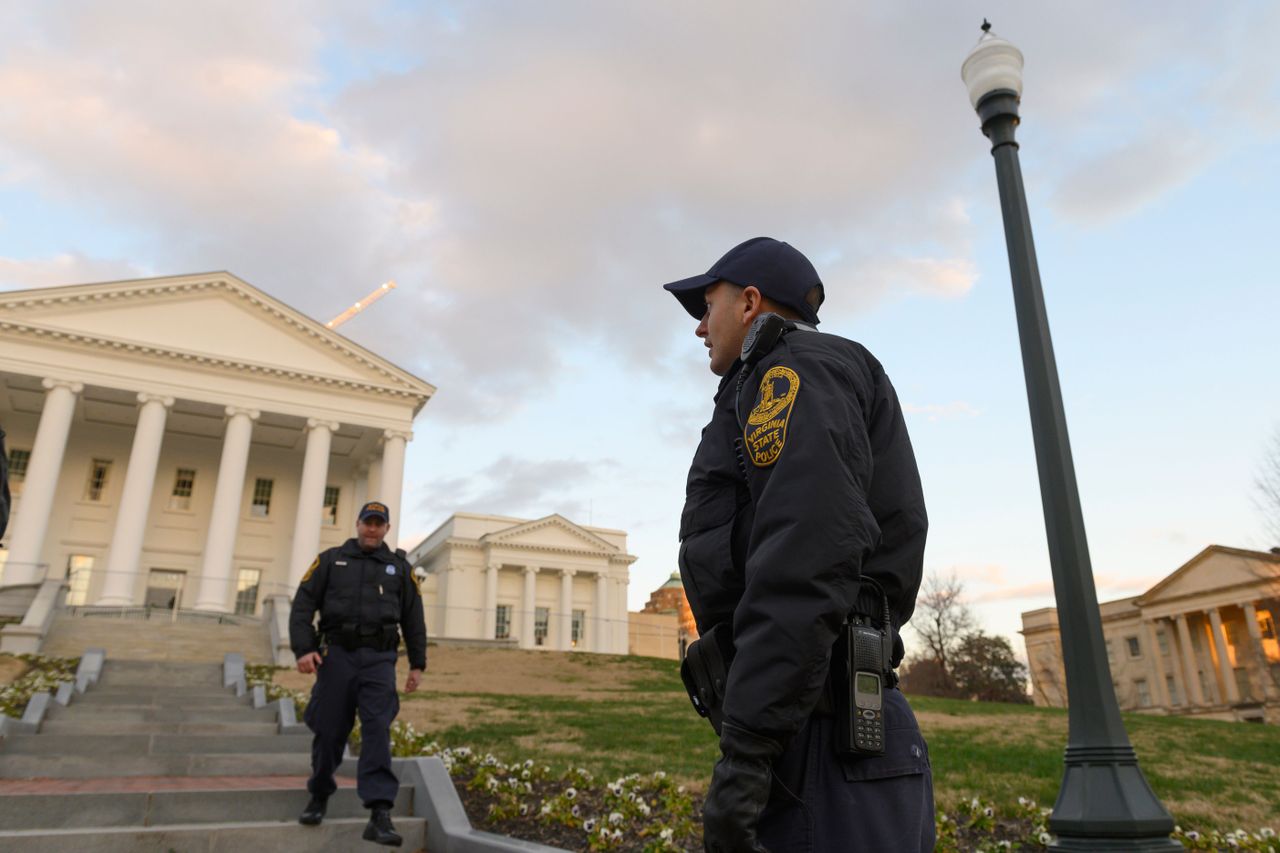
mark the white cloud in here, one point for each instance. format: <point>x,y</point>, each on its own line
<point>530,174</point>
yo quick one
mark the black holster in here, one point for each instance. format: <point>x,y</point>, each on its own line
<point>705,673</point>
<point>351,636</point>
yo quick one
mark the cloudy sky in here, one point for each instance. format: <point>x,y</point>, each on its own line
<point>530,173</point>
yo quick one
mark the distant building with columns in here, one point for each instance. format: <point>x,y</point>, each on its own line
<point>1202,642</point>
<point>547,583</point>
<point>187,440</point>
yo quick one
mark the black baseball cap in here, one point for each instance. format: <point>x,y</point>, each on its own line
<point>373,508</point>
<point>777,269</point>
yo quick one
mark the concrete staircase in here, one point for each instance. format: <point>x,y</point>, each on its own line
<point>157,638</point>
<point>158,757</point>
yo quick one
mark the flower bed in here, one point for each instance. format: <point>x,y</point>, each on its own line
<point>44,675</point>
<point>573,810</point>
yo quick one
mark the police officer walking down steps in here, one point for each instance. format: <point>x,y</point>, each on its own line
<point>366,597</point>
<point>801,551</point>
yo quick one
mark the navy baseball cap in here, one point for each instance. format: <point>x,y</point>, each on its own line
<point>374,508</point>
<point>777,269</point>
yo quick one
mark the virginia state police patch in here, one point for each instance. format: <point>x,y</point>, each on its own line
<point>766,431</point>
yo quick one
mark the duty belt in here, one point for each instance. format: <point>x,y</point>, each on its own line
<point>351,636</point>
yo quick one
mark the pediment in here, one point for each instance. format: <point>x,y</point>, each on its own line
<point>1216,567</point>
<point>216,317</point>
<point>553,532</point>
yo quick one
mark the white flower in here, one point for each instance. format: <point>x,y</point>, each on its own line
<point>1193,835</point>
<point>524,809</point>
<point>658,774</point>
<point>571,793</point>
<point>617,835</point>
<point>1044,838</point>
<point>589,824</point>
<point>575,811</point>
<point>1267,832</point>
<point>615,817</point>
<point>989,812</point>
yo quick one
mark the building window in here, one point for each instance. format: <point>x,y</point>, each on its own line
<point>1163,640</point>
<point>541,617</point>
<point>99,472</point>
<point>19,459</point>
<point>247,591</point>
<point>329,514</point>
<point>261,507</point>
<point>184,481</point>
<point>1205,689</point>
<point>579,625</point>
<point>1135,650</point>
<point>1266,626</point>
<point>1174,698</point>
<point>79,568</point>
<point>1144,694</point>
<point>502,625</point>
<point>1111,653</point>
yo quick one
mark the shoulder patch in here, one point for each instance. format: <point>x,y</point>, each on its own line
<point>311,570</point>
<point>766,431</point>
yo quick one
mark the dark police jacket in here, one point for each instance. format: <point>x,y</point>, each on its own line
<point>804,481</point>
<point>363,591</point>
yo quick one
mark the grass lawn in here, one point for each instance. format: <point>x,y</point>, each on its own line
<point>617,715</point>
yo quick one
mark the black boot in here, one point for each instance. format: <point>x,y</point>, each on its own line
<point>380,829</point>
<point>314,812</point>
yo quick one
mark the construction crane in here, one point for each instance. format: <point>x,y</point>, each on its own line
<point>378,292</point>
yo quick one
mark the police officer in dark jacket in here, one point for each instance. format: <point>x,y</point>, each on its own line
<point>803,511</point>
<point>366,597</point>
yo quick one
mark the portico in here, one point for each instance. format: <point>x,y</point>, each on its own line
<point>1201,642</point>
<point>187,438</point>
<point>547,583</point>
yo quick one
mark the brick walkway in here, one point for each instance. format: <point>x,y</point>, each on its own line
<point>147,784</point>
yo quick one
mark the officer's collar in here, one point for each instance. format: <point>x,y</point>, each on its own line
<point>727,378</point>
<point>352,548</point>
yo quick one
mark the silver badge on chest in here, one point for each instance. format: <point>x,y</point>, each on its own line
<point>391,570</point>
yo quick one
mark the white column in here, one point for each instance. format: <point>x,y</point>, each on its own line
<point>315,475</point>
<point>1269,687</point>
<point>43,469</point>
<point>490,615</point>
<point>135,502</point>
<point>1161,693</point>
<point>391,483</point>
<point>528,606</point>
<point>216,582</point>
<point>566,610</point>
<point>618,616</point>
<point>1195,696</point>
<point>1224,657</point>
<point>600,642</point>
<point>362,489</point>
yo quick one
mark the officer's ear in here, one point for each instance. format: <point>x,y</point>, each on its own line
<point>752,304</point>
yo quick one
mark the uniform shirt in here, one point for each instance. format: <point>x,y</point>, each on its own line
<point>351,587</point>
<point>804,481</point>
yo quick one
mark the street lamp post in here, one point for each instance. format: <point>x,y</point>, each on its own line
<point>1105,802</point>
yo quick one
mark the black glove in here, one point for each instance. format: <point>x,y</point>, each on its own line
<point>738,792</point>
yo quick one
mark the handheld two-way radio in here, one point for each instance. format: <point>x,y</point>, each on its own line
<point>862,656</point>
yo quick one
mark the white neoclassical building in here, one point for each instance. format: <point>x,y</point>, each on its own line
<point>547,583</point>
<point>187,441</point>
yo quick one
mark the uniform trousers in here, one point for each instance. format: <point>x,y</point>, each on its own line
<point>821,801</point>
<point>362,680</point>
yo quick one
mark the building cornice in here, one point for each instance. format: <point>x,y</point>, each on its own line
<point>401,383</point>
<point>219,363</point>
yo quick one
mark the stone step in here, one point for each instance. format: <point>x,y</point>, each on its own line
<point>164,714</point>
<point>143,808</point>
<point>158,744</point>
<point>152,690</point>
<point>174,699</point>
<point>157,640</point>
<point>90,725</point>
<point>14,766</point>
<point>340,834</point>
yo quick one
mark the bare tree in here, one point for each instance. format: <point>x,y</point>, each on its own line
<point>1267,484</point>
<point>942,619</point>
